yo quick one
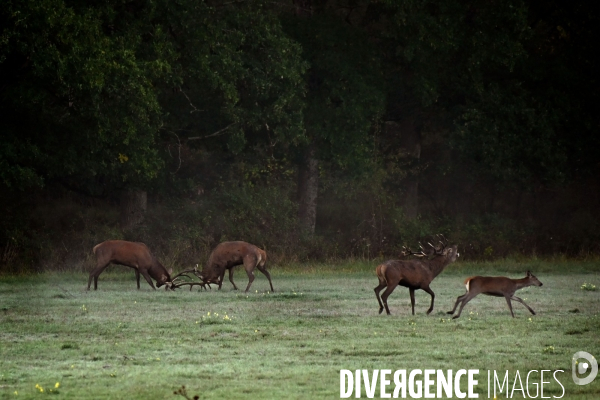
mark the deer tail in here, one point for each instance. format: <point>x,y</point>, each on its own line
<point>380,271</point>
<point>468,282</point>
<point>259,258</point>
<point>96,247</point>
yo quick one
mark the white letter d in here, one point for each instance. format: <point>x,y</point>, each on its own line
<point>346,390</point>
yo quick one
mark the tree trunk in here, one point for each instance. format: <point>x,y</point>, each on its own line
<point>410,141</point>
<point>308,187</point>
<point>133,206</point>
<point>308,173</point>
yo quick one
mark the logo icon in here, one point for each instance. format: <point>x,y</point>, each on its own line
<point>580,367</point>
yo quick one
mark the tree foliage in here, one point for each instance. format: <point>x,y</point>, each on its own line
<point>480,70</point>
<point>237,74</point>
<point>345,95</point>
<point>79,102</point>
<point>89,87</point>
<point>100,96</point>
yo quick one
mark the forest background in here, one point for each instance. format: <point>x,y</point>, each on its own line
<point>318,130</point>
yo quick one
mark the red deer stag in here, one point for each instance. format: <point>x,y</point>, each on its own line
<point>498,286</point>
<point>130,254</point>
<point>413,274</point>
<point>229,254</point>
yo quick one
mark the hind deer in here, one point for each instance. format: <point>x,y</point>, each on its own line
<point>498,286</point>
<point>413,274</point>
<point>230,254</point>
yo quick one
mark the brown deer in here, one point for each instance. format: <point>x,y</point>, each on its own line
<point>498,286</point>
<point>229,254</point>
<point>130,254</point>
<point>413,274</point>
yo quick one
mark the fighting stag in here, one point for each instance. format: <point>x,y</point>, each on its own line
<point>414,274</point>
<point>227,255</point>
<point>498,286</point>
<point>135,255</point>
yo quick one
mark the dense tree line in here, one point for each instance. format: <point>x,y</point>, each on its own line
<point>417,114</point>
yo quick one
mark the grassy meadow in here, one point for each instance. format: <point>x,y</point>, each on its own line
<point>121,343</point>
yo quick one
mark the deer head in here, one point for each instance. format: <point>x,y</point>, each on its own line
<point>533,280</point>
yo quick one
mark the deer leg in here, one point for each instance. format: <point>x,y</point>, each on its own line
<point>137,278</point>
<point>412,299</point>
<point>250,279</point>
<point>522,302</point>
<point>262,269</point>
<point>509,306</point>
<point>428,290</point>
<point>386,294</point>
<point>377,290</point>
<point>94,275</point>
<point>231,278</point>
<point>466,298</point>
<point>221,277</point>
<point>148,279</point>
<point>458,300</point>
<point>251,262</point>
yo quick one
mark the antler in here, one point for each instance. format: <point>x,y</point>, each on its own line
<point>438,251</point>
<point>408,252</point>
<point>434,250</point>
<point>191,284</point>
<point>183,273</point>
<point>195,271</point>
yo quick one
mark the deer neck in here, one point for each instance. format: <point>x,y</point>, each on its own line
<point>210,272</point>
<point>437,265</point>
<point>521,283</point>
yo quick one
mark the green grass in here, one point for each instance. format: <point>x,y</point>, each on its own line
<point>119,342</point>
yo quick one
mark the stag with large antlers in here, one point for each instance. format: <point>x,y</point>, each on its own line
<point>135,255</point>
<point>414,274</point>
<point>230,254</point>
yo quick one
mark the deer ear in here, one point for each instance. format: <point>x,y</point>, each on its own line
<point>528,273</point>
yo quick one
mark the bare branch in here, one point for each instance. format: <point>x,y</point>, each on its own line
<point>217,133</point>
<point>183,392</point>
<point>190,101</point>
